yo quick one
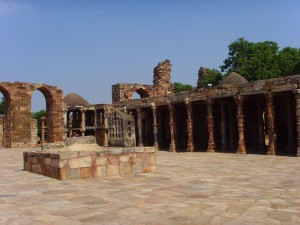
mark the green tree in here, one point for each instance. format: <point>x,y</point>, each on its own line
<point>2,105</point>
<point>179,87</point>
<point>212,77</point>
<point>37,116</point>
<point>289,61</point>
<point>261,60</point>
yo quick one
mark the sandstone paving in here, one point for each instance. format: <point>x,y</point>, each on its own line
<point>187,188</point>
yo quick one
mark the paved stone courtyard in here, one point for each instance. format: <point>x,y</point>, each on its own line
<point>188,188</point>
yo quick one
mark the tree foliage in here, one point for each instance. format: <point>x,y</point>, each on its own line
<point>2,105</point>
<point>261,60</point>
<point>179,87</point>
<point>37,116</point>
<point>212,77</point>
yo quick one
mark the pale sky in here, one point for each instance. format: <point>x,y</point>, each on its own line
<point>86,46</point>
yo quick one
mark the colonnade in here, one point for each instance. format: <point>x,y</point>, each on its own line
<point>232,133</point>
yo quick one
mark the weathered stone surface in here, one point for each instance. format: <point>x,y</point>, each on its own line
<point>80,162</point>
<point>113,170</point>
<point>137,168</point>
<point>48,161</point>
<point>95,165</point>
<point>100,171</point>
<point>112,159</point>
<point>124,158</point>
<point>153,160</point>
<point>101,161</point>
<point>85,172</point>
<point>74,173</point>
<point>125,168</point>
<point>55,163</point>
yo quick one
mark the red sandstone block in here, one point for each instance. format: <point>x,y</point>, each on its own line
<point>85,172</point>
<point>63,174</point>
<point>56,172</point>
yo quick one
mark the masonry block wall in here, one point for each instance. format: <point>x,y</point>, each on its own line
<point>161,85</point>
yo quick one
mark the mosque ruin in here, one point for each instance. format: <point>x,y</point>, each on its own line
<point>236,116</point>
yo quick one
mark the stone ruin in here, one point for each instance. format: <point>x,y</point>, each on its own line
<point>162,76</point>
<point>82,158</point>
<point>201,74</point>
<point>161,85</point>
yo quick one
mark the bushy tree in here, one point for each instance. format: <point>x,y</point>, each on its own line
<point>37,116</point>
<point>261,60</point>
<point>212,77</point>
<point>289,61</point>
<point>179,87</point>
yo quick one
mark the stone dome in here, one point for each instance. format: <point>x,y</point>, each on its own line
<point>74,99</point>
<point>233,78</point>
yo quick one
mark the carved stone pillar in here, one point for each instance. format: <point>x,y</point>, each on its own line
<point>270,119</point>
<point>43,119</point>
<point>105,142</point>
<point>70,123</point>
<point>223,126</point>
<point>139,126</point>
<point>297,97</point>
<point>172,147</point>
<point>261,130</point>
<point>82,124</point>
<point>153,108</point>
<point>189,123</point>
<point>241,149</point>
<point>210,125</point>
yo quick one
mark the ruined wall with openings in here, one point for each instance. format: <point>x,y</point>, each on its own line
<point>161,85</point>
<point>18,120</point>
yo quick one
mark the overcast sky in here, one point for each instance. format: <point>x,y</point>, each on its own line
<point>87,46</point>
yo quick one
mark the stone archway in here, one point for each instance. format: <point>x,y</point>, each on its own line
<point>7,121</point>
<point>139,89</point>
<point>18,116</point>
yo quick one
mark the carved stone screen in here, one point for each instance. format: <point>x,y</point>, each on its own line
<point>121,129</point>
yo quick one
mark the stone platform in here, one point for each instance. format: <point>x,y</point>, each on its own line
<point>64,165</point>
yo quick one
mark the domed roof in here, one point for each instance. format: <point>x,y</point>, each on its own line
<point>233,78</point>
<point>74,99</point>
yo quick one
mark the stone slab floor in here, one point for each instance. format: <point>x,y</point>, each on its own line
<point>188,188</point>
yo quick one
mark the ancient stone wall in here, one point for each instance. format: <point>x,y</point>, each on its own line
<point>161,85</point>
<point>162,76</point>
<point>90,164</point>
<point>18,112</point>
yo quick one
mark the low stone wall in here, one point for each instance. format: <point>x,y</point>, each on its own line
<point>91,164</point>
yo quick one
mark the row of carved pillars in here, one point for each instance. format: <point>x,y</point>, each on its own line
<point>211,147</point>
<point>81,121</point>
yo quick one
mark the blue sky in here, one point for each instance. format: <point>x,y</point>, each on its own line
<point>86,46</point>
